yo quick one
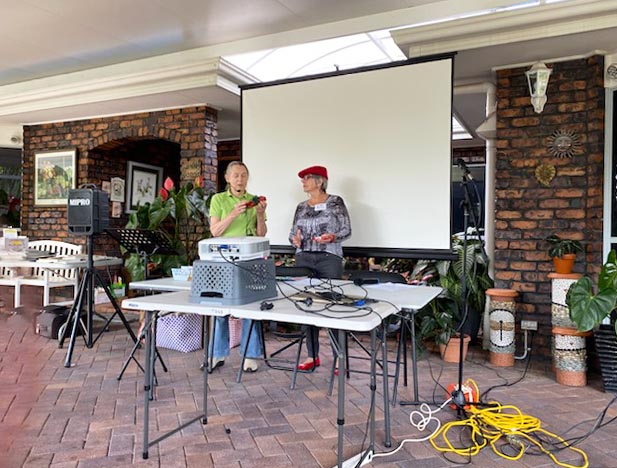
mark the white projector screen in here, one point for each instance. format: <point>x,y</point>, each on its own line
<point>384,134</point>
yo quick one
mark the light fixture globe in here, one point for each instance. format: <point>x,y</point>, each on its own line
<point>537,78</point>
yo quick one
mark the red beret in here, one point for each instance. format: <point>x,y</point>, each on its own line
<point>314,170</point>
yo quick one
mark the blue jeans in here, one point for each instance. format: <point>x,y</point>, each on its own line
<point>221,339</point>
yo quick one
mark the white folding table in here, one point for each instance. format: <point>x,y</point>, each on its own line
<point>391,299</point>
<point>160,285</point>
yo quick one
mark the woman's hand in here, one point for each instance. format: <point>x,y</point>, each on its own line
<point>296,240</point>
<point>260,208</point>
<point>238,209</point>
<point>325,238</point>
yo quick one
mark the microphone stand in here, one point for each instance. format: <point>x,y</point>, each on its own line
<point>458,396</point>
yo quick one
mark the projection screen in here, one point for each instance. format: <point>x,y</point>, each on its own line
<point>384,134</point>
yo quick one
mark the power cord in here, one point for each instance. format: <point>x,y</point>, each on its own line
<point>520,379</point>
<point>490,426</point>
<point>420,419</point>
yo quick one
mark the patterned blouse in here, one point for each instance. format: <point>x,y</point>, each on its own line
<point>312,221</point>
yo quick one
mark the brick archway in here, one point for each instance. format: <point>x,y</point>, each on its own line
<point>194,129</point>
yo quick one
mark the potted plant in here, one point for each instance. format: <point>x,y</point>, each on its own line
<point>438,321</point>
<point>590,307</point>
<point>184,214</point>
<point>563,253</point>
<point>442,319</point>
<point>477,281</point>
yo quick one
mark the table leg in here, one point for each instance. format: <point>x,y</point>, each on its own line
<point>341,395</point>
<point>386,390</point>
<point>205,370</point>
<point>148,381</point>
<point>374,389</point>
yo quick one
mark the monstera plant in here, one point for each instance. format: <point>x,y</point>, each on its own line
<point>589,308</point>
<point>183,213</point>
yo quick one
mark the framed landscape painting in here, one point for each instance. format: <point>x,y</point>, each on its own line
<point>54,176</point>
<point>143,184</point>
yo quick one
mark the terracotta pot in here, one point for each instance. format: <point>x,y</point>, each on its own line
<point>451,351</point>
<point>565,264</point>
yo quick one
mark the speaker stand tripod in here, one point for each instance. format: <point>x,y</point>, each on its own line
<point>85,296</point>
<point>143,242</point>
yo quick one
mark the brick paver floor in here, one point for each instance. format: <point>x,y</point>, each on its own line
<point>52,416</point>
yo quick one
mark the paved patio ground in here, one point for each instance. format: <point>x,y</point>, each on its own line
<point>52,416</point>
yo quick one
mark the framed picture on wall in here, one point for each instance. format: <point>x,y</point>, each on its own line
<point>54,176</point>
<point>117,190</point>
<point>106,187</point>
<point>143,183</point>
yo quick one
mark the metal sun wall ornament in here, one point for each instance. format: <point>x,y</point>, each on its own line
<point>564,144</point>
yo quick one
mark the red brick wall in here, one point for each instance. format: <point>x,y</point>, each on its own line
<point>571,205</point>
<point>183,141</point>
<point>228,151</point>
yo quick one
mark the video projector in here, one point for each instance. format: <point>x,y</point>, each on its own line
<point>225,249</point>
<point>232,283</point>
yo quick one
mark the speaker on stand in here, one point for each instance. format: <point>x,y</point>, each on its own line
<point>88,211</point>
<point>88,215</point>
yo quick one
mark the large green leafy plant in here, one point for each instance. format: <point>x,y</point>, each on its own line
<point>472,264</point>
<point>441,319</point>
<point>183,213</point>
<point>588,308</point>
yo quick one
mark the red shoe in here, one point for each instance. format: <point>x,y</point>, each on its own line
<point>307,366</point>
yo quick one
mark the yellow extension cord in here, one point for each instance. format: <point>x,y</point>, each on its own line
<point>489,425</point>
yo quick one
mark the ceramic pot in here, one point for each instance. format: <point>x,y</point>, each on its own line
<point>451,351</point>
<point>565,264</point>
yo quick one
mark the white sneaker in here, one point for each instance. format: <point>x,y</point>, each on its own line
<point>250,365</point>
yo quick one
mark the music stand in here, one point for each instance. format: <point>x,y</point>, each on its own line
<point>90,278</point>
<point>145,243</point>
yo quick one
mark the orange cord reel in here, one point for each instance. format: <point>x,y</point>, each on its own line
<point>469,392</point>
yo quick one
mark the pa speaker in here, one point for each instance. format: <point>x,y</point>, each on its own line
<point>88,211</point>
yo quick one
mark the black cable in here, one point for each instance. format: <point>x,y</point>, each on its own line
<point>520,379</point>
<point>597,425</point>
<point>321,282</point>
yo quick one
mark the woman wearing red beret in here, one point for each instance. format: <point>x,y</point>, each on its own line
<point>320,225</point>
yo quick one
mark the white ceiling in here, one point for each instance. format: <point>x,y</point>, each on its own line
<point>71,59</point>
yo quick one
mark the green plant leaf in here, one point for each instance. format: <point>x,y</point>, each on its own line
<point>608,273</point>
<point>586,309</point>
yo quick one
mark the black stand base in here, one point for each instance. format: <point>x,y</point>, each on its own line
<point>86,293</point>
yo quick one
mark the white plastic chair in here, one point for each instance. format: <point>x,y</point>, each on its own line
<point>48,278</point>
<point>9,278</point>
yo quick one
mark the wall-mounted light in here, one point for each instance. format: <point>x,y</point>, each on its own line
<point>537,78</point>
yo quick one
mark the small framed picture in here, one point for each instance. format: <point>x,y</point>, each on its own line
<point>117,190</point>
<point>54,176</point>
<point>106,187</point>
<point>116,209</point>
<point>144,182</point>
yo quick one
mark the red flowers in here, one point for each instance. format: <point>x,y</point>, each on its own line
<point>169,188</point>
<point>169,184</point>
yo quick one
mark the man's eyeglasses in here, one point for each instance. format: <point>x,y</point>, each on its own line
<point>308,176</point>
